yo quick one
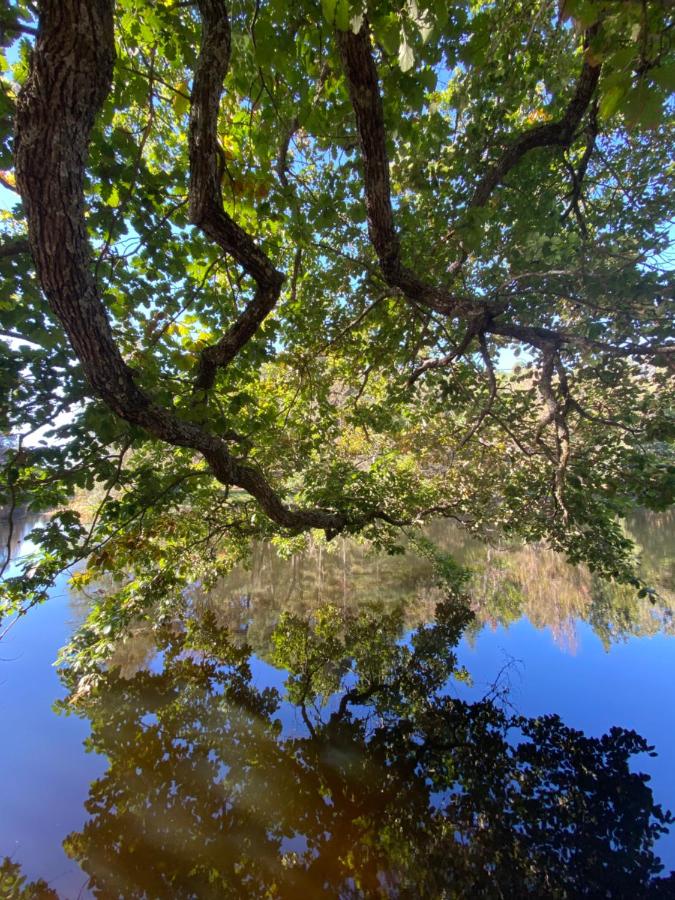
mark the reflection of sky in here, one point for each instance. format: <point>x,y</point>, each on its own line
<point>47,774</point>
<point>592,690</point>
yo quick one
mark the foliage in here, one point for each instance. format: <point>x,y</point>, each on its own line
<point>13,884</point>
<point>393,787</point>
<point>516,200</point>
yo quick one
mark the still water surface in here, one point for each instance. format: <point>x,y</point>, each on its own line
<point>193,769</point>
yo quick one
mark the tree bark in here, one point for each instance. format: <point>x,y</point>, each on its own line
<point>70,78</point>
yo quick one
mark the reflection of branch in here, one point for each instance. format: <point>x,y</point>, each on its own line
<point>306,719</point>
<point>356,697</point>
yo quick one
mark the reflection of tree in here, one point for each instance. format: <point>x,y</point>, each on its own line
<point>14,886</point>
<point>653,535</point>
<point>392,788</point>
<point>538,584</point>
<point>508,582</point>
<point>14,526</point>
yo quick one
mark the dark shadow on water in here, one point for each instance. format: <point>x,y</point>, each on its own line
<point>369,777</point>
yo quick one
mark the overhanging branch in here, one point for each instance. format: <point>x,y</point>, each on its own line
<point>206,201</point>
<point>55,115</point>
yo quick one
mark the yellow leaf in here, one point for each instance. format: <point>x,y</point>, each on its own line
<point>7,179</point>
<point>181,99</point>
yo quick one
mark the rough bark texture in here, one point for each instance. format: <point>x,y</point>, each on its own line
<point>364,91</point>
<point>70,78</point>
<point>206,202</point>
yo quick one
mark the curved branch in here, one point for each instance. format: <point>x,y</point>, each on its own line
<point>537,336</point>
<point>55,115</point>
<point>364,92</point>
<point>206,201</point>
<point>553,134</point>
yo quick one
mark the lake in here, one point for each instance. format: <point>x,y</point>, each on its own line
<point>336,724</point>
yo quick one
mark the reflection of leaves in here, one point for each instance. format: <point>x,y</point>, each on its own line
<point>396,789</point>
<point>13,884</point>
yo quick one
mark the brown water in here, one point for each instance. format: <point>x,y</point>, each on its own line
<point>375,770</point>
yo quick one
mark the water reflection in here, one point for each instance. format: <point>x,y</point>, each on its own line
<point>508,582</point>
<point>371,777</point>
<point>219,785</point>
<point>14,527</point>
<point>14,885</point>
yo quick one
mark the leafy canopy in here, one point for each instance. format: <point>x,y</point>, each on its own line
<point>337,265</point>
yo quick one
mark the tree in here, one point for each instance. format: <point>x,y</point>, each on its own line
<point>392,788</point>
<point>14,887</point>
<point>278,253</point>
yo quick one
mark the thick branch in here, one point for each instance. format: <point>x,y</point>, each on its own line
<point>553,134</point>
<point>70,77</point>
<point>542,337</point>
<point>364,92</point>
<point>362,80</point>
<point>206,201</point>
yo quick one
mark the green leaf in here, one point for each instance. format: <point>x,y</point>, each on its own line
<point>611,100</point>
<point>664,76</point>
<point>406,55</point>
<point>342,15</point>
<point>643,106</point>
<point>387,31</point>
<point>328,9</point>
<point>582,11</point>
